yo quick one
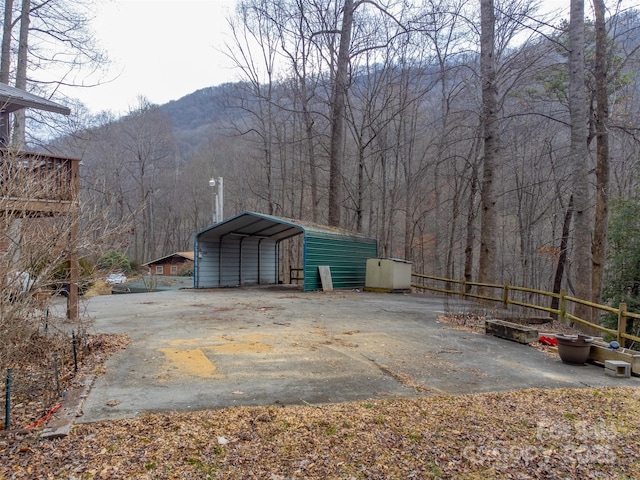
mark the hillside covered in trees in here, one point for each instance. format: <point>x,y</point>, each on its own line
<point>406,161</point>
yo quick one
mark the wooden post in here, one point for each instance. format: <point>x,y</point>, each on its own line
<point>505,295</point>
<point>622,323</point>
<point>73,311</point>
<point>563,306</point>
<point>463,285</point>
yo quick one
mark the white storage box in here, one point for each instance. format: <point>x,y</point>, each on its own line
<point>388,275</point>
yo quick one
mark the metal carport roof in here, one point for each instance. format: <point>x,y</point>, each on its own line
<point>243,250</point>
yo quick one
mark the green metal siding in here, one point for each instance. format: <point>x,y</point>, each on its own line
<point>346,256</point>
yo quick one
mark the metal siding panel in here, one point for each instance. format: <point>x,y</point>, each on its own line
<point>208,265</point>
<point>230,267</point>
<point>268,262</point>
<point>346,256</point>
<point>250,261</point>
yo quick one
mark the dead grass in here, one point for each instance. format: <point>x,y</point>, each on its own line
<point>34,387</point>
<point>99,287</point>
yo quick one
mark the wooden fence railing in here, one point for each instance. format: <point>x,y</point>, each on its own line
<point>526,298</point>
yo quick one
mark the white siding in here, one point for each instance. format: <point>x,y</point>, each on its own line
<point>236,261</point>
<point>268,262</point>
<point>230,258</point>
<point>207,262</point>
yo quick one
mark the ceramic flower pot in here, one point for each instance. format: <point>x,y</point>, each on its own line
<point>574,349</point>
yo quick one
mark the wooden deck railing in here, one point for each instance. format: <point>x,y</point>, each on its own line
<point>530,298</point>
<point>37,183</point>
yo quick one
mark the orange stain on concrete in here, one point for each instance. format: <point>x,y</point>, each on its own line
<point>192,362</point>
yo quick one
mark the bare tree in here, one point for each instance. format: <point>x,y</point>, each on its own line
<point>602,152</point>
<point>579,157</point>
<point>5,52</point>
<point>148,148</point>
<point>54,48</point>
<point>297,24</point>
<point>19,118</point>
<point>35,259</point>
<point>490,126</point>
<point>338,102</point>
<point>254,54</point>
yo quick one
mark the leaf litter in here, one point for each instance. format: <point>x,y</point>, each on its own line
<point>529,434</point>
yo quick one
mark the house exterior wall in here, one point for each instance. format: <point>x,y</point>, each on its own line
<point>169,266</point>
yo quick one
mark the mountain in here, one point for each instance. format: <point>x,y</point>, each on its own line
<point>198,109</point>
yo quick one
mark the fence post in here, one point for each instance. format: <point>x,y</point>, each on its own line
<point>463,285</point>
<point>505,296</point>
<point>622,323</point>
<point>563,306</point>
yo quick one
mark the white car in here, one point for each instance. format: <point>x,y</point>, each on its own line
<point>116,278</point>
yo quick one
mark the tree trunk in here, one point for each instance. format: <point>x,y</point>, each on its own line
<point>470,227</point>
<point>602,154</point>
<point>487,262</point>
<point>360,193</point>
<point>5,61</point>
<point>579,159</point>
<point>337,116</point>
<point>562,255</point>
<point>5,68</point>
<point>313,168</point>
<point>19,117</point>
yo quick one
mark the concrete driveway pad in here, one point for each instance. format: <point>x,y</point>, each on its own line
<point>202,349</point>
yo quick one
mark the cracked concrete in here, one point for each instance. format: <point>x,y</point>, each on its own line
<point>204,349</point>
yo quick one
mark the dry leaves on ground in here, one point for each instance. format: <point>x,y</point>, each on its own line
<point>476,323</point>
<point>564,433</point>
<point>35,393</point>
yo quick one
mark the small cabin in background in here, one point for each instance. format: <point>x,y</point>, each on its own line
<point>172,265</point>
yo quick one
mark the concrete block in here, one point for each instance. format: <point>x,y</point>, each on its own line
<point>511,331</point>
<point>617,368</point>
<point>601,353</point>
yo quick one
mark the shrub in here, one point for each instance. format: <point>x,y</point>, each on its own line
<point>115,261</point>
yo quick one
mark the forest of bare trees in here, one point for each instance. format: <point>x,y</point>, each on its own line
<point>479,140</point>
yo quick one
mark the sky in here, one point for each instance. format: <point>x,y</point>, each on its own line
<point>160,49</point>
<point>165,49</point>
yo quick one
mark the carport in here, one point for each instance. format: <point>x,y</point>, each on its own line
<point>245,250</point>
